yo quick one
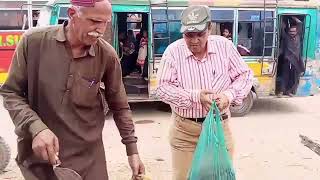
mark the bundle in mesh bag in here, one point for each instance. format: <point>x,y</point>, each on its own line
<point>211,160</point>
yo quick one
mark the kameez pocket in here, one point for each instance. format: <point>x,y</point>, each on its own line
<point>85,92</point>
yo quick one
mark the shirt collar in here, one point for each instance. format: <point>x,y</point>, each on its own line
<point>209,47</point>
<point>61,37</point>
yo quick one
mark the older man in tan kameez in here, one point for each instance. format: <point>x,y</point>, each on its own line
<point>53,97</point>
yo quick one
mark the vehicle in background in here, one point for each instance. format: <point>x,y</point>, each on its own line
<point>254,26</point>
<point>15,18</point>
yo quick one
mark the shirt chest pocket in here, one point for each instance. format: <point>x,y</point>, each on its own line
<point>219,75</point>
<point>85,92</point>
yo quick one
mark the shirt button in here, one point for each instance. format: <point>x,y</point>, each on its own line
<point>67,90</point>
<point>70,75</point>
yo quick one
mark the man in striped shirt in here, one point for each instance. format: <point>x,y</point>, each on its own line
<point>195,71</point>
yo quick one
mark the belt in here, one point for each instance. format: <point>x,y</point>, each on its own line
<point>200,120</point>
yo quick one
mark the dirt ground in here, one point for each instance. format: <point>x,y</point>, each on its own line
<point>267,141</point>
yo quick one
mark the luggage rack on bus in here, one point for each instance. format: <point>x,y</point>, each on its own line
<point>275,45</point>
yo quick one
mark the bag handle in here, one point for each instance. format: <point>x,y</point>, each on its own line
<point>214,109</point>
<point>215,123</point>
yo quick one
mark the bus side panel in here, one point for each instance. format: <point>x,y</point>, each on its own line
<point>264,85</point>
<point>316,63</point>
<point>8,43</point>
<point>5,60</point>
<point>310,82</point>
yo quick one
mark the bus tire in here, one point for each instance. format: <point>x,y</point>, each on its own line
<point>5,154</point>
<point>163,107</point>
<point>244,108</point>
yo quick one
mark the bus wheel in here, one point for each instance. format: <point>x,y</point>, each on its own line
<point>244,108</point>
<point>4,154</point>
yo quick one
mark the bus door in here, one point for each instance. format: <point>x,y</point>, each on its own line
<point>130,32</point>
<point>307,39</point>
<point>305,34</point>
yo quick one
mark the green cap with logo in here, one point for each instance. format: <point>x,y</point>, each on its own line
<point>195,18</point>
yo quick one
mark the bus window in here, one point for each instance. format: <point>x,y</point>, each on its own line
<point>35,17</point>
<point>13,19</point>
<point>134,22</point>
<point>222,21</point>
<point>175,24</point>
<point>63,15</point>
<point>175,33</point>
<point>160,29</point>
<point>251,32</point>
<point>174,14</point>
<point>226,15</point>
<point>160,14</point>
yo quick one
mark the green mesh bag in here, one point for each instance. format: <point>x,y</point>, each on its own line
<point>211,160</point>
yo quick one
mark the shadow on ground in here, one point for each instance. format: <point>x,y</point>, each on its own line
<point>143,107</point>
<point>261,106</point>
<point>274,106</point>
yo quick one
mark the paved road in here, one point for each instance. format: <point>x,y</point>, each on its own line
<point>267,141</point>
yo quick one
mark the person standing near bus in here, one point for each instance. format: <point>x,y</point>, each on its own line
<point>143,54</point>
<point>53,97</point>
<point>292,64</point>
<point>195,71</point>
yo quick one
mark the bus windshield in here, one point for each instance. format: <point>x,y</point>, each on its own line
<point>13,19</point>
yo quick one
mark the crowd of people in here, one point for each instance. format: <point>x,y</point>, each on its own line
<point>133,52</point>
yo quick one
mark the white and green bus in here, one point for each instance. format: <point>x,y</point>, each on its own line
<point>254,26</point>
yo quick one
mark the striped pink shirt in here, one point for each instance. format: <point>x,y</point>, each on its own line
<point>181,77</point>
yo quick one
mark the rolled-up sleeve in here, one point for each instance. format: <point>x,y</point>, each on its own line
<point>240,74</point>
<point>169,89</point>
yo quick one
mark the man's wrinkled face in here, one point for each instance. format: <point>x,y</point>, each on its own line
<point>90,23</point>
<point>293,32</point>
<point>196,41</point>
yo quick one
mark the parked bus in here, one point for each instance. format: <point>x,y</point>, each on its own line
<point>15,18</point>
<point>254,27</point>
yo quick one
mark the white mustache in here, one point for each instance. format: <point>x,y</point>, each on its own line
<point>95,34</point>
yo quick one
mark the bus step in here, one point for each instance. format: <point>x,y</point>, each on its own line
<point>130,80</point>
<point>136,89</point>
